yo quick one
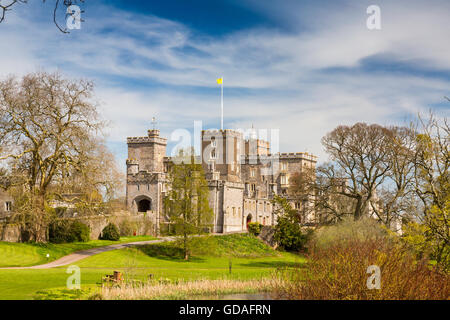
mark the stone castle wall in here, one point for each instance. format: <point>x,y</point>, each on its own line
<point>241,174</point>
<point>145,224</point>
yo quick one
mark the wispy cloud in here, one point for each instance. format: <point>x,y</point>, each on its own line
<point>303,79</point>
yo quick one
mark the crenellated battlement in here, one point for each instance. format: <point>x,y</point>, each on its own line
<point>132,162</point>
<point>282,156</point>
<point>237,165</point>
<point>225,133</point>
<point>141,140</point>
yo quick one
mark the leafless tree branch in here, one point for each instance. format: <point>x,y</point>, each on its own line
<point>66,3</point>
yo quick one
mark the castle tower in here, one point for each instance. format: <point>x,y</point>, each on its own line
<point>222,151</point>
<point>145,173</point>
<point>148,152</point>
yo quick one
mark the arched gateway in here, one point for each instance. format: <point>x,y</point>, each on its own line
<point>143,203</point>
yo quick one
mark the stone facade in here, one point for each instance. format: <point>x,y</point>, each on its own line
<point>6,204</point>
<point>242,176</point>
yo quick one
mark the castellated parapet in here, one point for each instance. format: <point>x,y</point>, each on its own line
<point>242,179</point>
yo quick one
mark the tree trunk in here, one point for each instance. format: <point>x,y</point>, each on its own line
<point>186,249</point>
<point>358,209</point>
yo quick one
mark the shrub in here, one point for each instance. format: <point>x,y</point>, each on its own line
<point>66,231</point>
<point>110,232</point>
<point>419,238</point>
<point>147,227</point>
<point>289,235</point>
<point>348,229</point>
<point>81,231</point>
<point>338,259</point>
<point>127,228</point>
<point>254,228</point>
<point>288,232</point>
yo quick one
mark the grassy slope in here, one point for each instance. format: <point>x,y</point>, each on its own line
<point>250,260</point>
<point>29,254</point>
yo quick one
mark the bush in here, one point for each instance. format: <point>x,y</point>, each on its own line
<point>66,231</point>
<point>289,235</point>
<point>288,232</point>
<point>348,229</point>
<point>110,232</point>
<point>81,231</point>
<point>254,228</point>
<point>338,259</point>
<point>127,228</point>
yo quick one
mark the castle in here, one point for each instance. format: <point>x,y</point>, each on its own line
<point>242,175</point>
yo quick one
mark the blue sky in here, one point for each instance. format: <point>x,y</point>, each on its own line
<point>302,67</point>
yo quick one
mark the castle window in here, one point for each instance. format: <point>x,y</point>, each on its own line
<point>252,173</point>
<point>283,180</point>
<point>148,187</point>
<point>253,187</point>
<point>284,166</point>
<point>213,142</point>
<point>8,206</point>
<point>213,154</point>
<point>297,205</point>
<point>234,211</point>
<point>138,187</point>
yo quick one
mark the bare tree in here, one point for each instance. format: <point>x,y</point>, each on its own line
<point>47,129</point>
<point>302,189</point>
<point>432,182</point>
<point>96,181</point>
<point>331,203</point>
<point>394,197</point>
<point>359,155</point>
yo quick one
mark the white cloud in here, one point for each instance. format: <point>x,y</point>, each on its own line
<point>278,79</point>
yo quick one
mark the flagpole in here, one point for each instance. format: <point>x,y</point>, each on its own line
<point>221,104</point>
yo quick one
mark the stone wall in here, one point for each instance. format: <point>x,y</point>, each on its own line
<point>233,194</point>
<point>6,202</point>
<point>266,235</point>
<point>9,233</point>
<point>145,224</point>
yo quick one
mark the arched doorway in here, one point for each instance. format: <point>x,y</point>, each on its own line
<point>249,219</point>
<point>143,204</point>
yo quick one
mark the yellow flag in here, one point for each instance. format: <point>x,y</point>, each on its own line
<point>220,81</point>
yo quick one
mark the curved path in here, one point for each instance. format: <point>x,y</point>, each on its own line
<point>79,255</point>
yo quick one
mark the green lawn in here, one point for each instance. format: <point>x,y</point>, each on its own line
<point>30,254</point>
<point>253,261</point>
